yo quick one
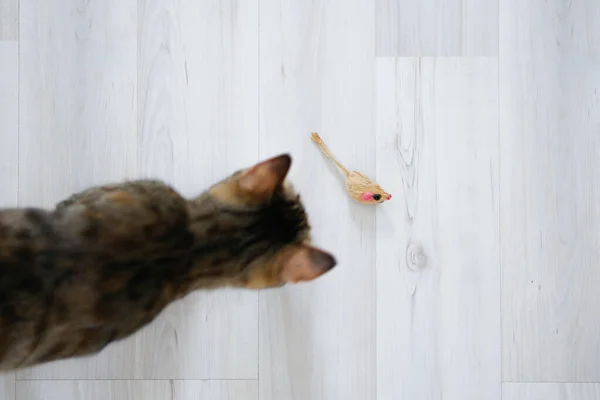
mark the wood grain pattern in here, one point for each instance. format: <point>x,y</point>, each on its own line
<point>317,340</point>
<point>134,390</point>
<point>550,27</point>
<point>198,85</point>
<point>9,20</point>
<point>7,386</point>
<point>9,125</point>
<point>9,141</point>
<point>197,338</point>
<point>78,112</point>
<point>550,185</point>
<point>438,293</point>
<point>551,391</point>
<point>78,97</point>
<point>437,28</point>
<point>216,390</point>
<point>198,122</point>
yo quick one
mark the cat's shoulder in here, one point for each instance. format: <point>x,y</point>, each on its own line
<point>124,214</point>
<point>130,193</point>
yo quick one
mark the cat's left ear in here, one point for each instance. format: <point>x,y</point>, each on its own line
<point>262,179</point>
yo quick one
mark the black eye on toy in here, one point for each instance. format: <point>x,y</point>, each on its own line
<point>377,197</point>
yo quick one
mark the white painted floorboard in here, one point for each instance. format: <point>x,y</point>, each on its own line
<point>197,123</point>
<point>77,95</point>
<point>446,28</point>
<point>9,20</point>
<point>137,390</point>
<point>550,190</point>
<point>9,142</point>
<point>77,123</point>
<point>7,386</point>
<point>102,112</point>
<point>9,123</point>
<point>317,340</point>
<point>438,291</point>
<point>551,391</point>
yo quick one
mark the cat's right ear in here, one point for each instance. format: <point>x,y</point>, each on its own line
<point>261,180</point>
<point>305,264</point>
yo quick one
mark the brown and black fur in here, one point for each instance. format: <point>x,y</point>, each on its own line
<point>107,261</point>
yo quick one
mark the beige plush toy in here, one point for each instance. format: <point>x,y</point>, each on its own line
<point>360,188</point>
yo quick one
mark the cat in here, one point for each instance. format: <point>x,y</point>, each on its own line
<point>105,262</point>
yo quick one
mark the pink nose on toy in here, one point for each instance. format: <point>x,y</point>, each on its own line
<point>367,196</point>
<point>389,197</point>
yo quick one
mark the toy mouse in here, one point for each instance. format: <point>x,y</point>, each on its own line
<point>360,188</point>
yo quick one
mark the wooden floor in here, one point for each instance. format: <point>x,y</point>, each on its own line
<point>479,280</point>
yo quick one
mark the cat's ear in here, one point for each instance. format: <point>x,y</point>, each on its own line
<point>305,264</point>
<point>262,179</point>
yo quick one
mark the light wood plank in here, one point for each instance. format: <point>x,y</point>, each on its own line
<point>135,390</point>
<point>201,337</point>
<point>78,96</point>
<point>198,75</point>
<point>7,386</point>
<point>551,391</point>
<point>547,28</point>
<point>94,390</point>
<point>78,109</point>
<point>216,390</point>
<point>438,287</point>
<point>437,27</point>
<point>9,142</point>
<point>9,123</point>
<point>317,340</point>
<point>550,186</point>
<point>9,20</point>
<point>198,121</point>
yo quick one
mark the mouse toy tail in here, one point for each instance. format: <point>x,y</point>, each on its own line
<point>317,139</point>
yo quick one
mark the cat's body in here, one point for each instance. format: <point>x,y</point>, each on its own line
<point>107,261</point>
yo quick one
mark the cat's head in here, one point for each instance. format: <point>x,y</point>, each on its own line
<point>264,219</point>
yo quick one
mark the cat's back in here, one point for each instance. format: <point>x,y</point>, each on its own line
<point>91,271</point>
<point>31,267</point>
<point>29,245</point>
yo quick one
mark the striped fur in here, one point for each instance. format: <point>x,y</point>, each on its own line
<point>108,260</point>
